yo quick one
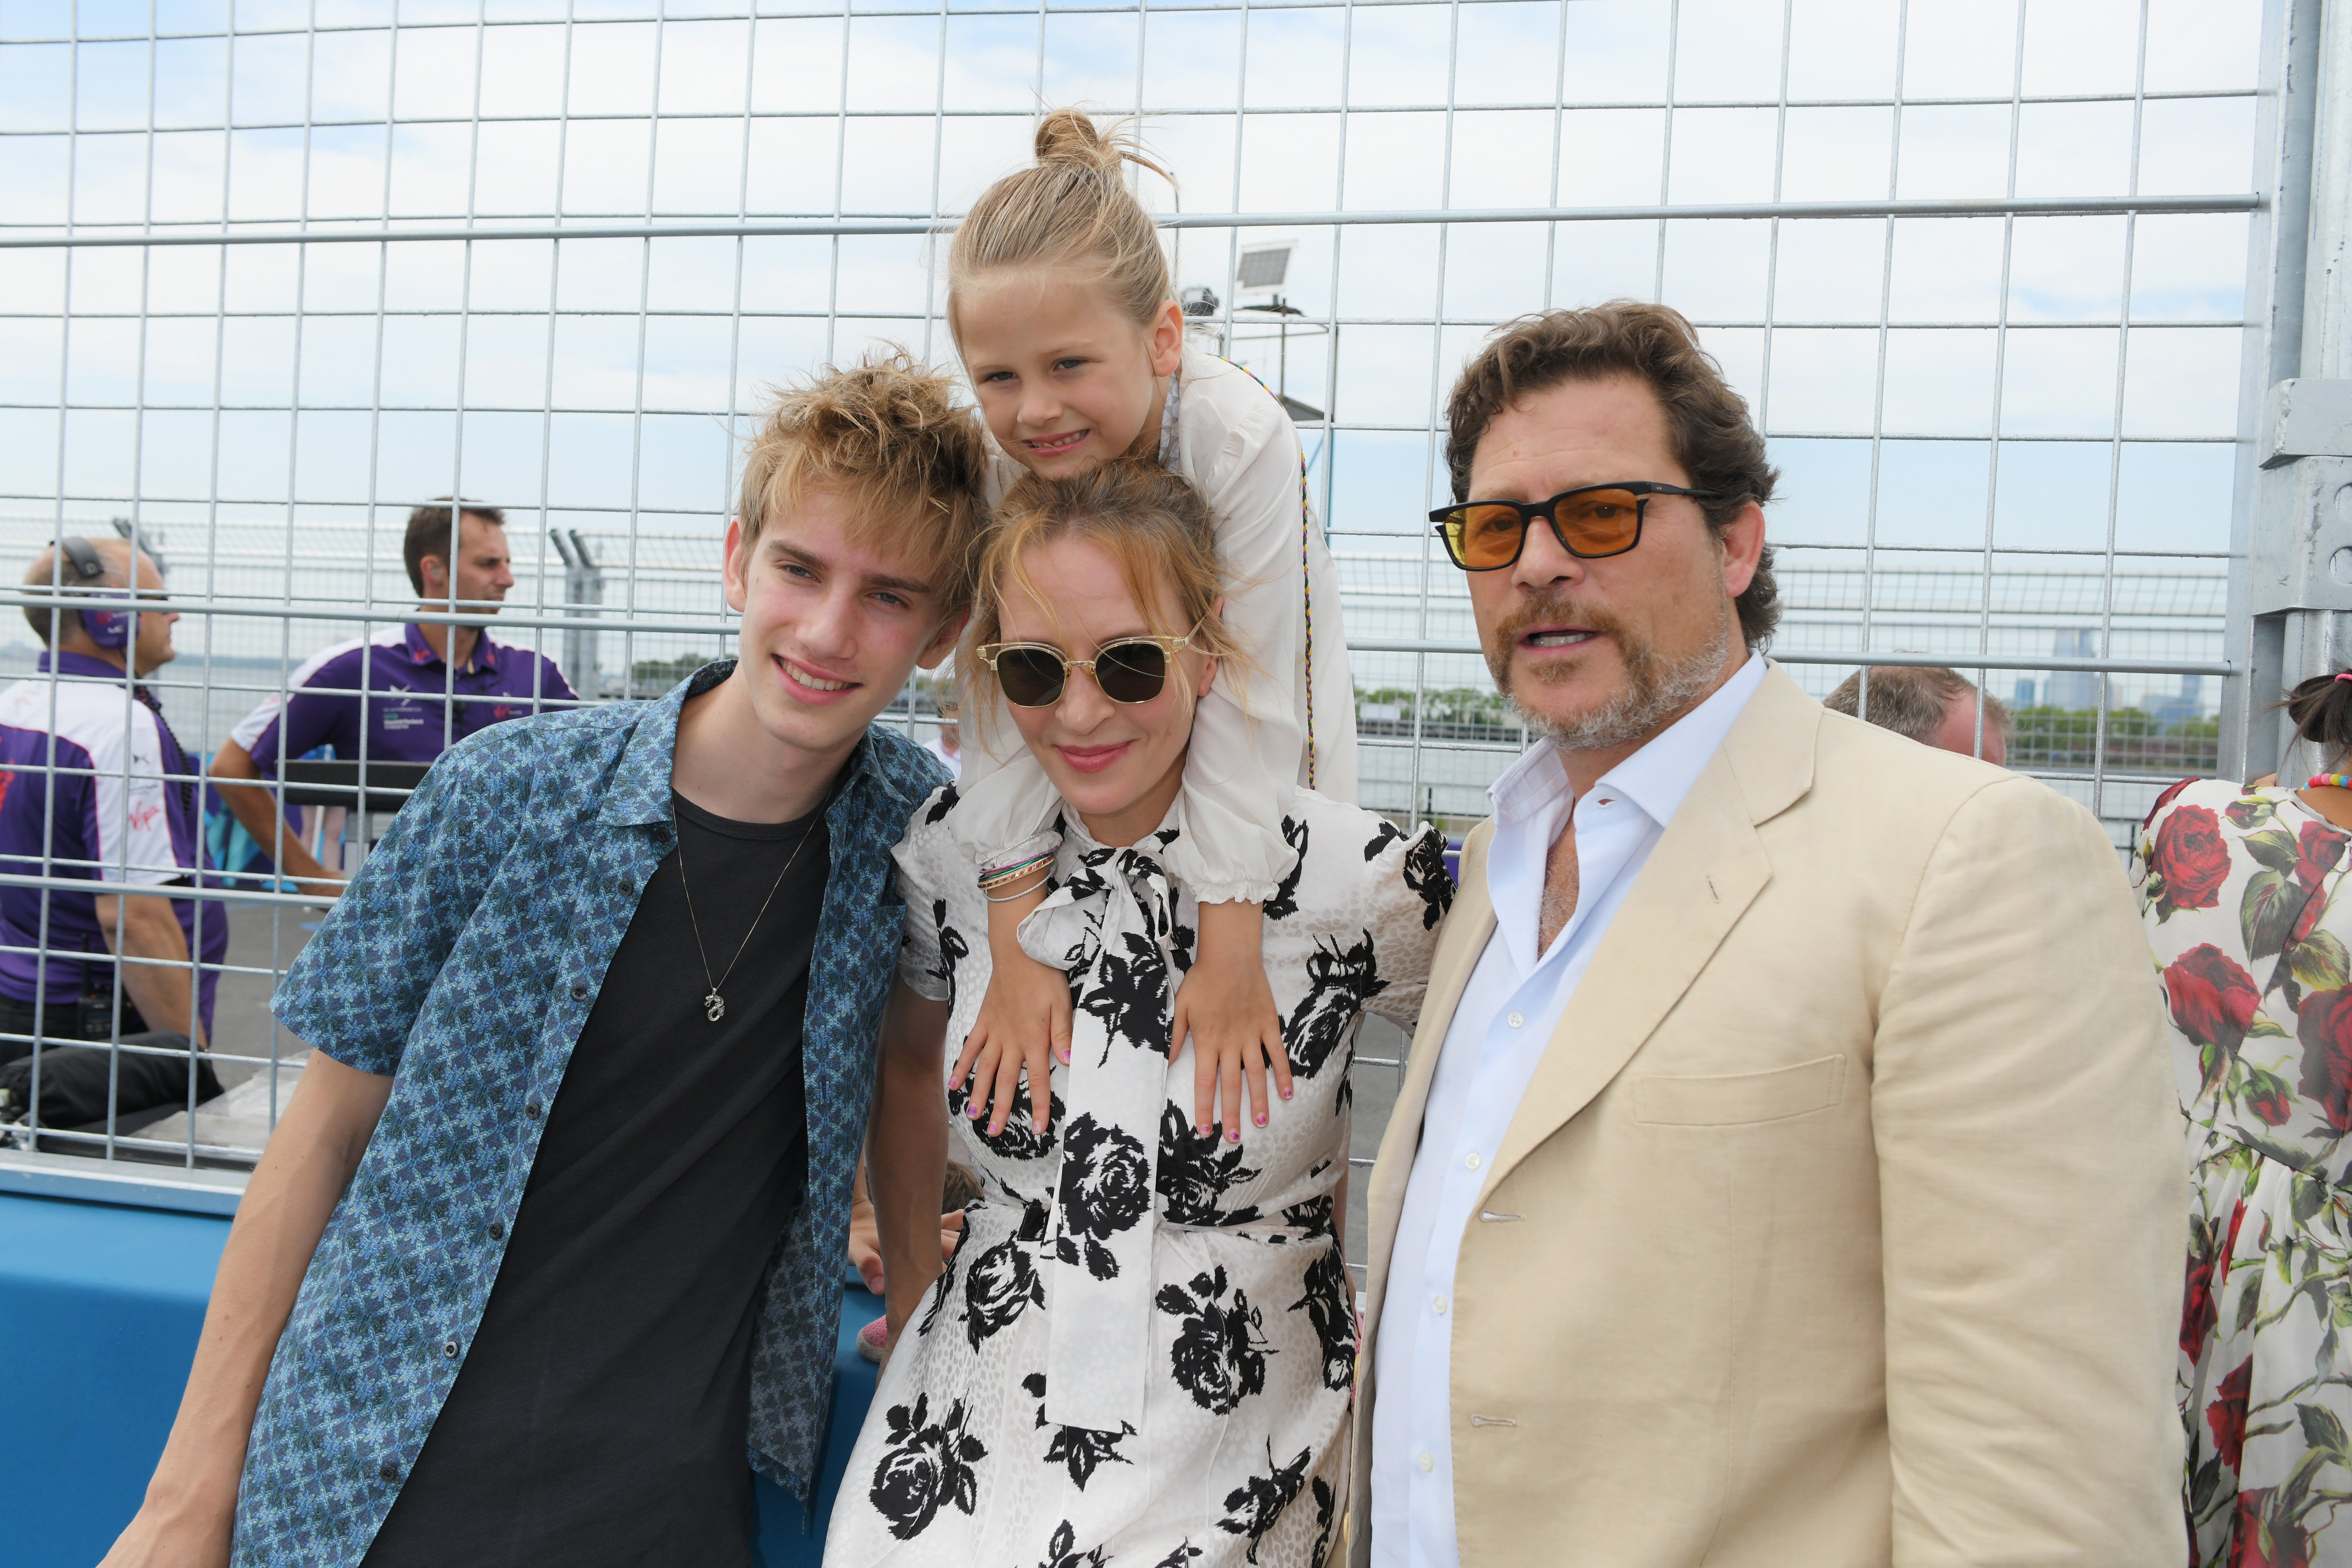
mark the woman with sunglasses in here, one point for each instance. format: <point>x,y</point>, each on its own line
<point>1143,1348</point>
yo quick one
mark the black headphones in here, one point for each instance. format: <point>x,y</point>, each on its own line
<point>108,629</point>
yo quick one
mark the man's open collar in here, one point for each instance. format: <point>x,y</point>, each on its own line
<point>639,790</point>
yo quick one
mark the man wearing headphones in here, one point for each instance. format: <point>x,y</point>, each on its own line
<point>96,787</point>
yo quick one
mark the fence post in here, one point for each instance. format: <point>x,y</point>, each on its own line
<point>2295,454</point>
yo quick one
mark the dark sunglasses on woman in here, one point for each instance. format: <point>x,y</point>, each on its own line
<point>1591,522</point>
<point>1128,669</point>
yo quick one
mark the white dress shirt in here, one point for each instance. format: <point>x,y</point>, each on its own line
<point>1508,1011</point>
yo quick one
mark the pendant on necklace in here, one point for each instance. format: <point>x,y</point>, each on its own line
<point>714,1006</point>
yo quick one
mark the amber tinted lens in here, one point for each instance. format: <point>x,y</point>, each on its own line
<point>1030,677</point>
<point>1485,537</point>
<point>1131,671</point>
<point>1600,522</point>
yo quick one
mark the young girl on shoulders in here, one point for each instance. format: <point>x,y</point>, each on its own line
<point>1061,304</point>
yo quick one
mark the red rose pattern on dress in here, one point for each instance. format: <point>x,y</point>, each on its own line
<point>2240,897</point>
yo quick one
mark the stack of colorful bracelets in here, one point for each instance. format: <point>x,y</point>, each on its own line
<point>1006,876</point>
<point>2330,781</point>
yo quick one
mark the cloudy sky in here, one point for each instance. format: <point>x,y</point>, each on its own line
<point>2040,376</point>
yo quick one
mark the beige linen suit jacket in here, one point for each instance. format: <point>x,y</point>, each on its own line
<point>1842,1221</point>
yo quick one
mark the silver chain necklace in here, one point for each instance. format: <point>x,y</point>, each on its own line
<point>714,1006</point>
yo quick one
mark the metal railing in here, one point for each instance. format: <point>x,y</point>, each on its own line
<point>1977,270</point>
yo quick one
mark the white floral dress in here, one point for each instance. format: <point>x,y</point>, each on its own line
<point>1144,1349</point>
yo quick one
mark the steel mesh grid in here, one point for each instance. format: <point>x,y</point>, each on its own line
<point>331,283</point>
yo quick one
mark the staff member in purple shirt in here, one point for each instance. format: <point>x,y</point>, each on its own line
<point>94,784</point>
<point>389,696</point>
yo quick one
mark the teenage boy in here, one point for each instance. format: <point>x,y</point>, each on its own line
<point>594,1035</point>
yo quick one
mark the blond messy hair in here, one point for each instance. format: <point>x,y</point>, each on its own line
<point>1071,208</point>
<point>1148,519</point>
<point>887,435</point>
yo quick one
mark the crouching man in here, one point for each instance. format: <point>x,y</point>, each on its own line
<point>552,1232</point>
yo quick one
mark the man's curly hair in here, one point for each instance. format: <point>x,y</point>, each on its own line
<point>887,435</point>
<point>1713,438</point>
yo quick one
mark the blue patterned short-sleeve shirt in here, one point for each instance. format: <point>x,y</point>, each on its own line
<point>462,963</point>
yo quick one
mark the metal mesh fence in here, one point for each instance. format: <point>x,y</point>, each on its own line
<point>273,271</point>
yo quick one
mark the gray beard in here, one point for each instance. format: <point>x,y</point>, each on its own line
<point>1656,694</point>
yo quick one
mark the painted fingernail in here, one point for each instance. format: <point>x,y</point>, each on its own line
<point>975,1111</point>
<point>1065,1057</point>
<point>1286,1094</point>
<point>1261,1118</point>
<point>1205,1129</point>
<point>1234,1136</point>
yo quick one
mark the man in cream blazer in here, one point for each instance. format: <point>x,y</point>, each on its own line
<point>1786,1171</point>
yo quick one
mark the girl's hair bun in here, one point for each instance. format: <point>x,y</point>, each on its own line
<point>1071,136</point>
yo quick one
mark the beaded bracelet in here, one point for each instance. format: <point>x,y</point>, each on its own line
<point>2330,781</point>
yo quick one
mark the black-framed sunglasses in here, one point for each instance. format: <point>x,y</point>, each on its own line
<point>1128,670</point>
<point>1590,521</point>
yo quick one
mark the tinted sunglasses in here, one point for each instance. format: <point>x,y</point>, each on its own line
<point>1127,669</point>
<point>1591,522</point>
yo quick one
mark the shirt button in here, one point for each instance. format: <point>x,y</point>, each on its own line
<point>1437,1305</point>
<point>389,1469</point>
<point>1428,1462</point>
<point>578,992</point>
<point>1516,1019</point>
<point>498,1230</point>
<point>1472,1159</point>
<point>531,1106</point>
<point>450,1348</point>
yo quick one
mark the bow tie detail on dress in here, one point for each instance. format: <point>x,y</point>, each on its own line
<point>1112,927</point>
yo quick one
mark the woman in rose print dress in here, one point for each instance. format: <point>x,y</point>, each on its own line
<point>2242,891</point>
<point>1142,1352</point>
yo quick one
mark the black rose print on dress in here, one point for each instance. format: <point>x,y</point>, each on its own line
<point>1285,902</point>
<point>1061,1552</point>
<point>941,806</point>
<point>1328,1306</point>
<point>941,1289</point>
<point>1425,873</point>
<point>952,949</point>
<point>1313,1216</point>
<point>1327,1503</point>
<point>1219,1357</point>
<point>1185,1551</point>
<point>1132,998</point>
<point>1339,981</point>
<point>1106,1189</point>
<point>1196,1171</point>
<point>927,1466</point>
<point>1080,1451</point>
<point>1018,1140</point>
<point>1252,1508</point>
<point>1388,833</point>
<point>1003,1281</point>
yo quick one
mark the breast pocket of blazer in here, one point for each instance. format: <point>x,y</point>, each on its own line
<point>1734,1099</point>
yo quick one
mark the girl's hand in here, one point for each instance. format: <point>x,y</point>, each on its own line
<point>1227,1009</point>
<point>1024,1014</point>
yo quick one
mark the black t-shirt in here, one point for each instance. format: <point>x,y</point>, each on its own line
<point>601,1412</point>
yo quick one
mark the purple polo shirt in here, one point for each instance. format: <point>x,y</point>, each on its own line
<point>391,691</point>
<point>121,808</point>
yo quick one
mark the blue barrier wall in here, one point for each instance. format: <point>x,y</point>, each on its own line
<point>99,1309</point>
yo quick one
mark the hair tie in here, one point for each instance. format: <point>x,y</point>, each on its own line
<point>2344,675</point>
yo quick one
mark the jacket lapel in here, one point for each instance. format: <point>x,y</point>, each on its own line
<point>1463,939</point>
<point>1708,868</point>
